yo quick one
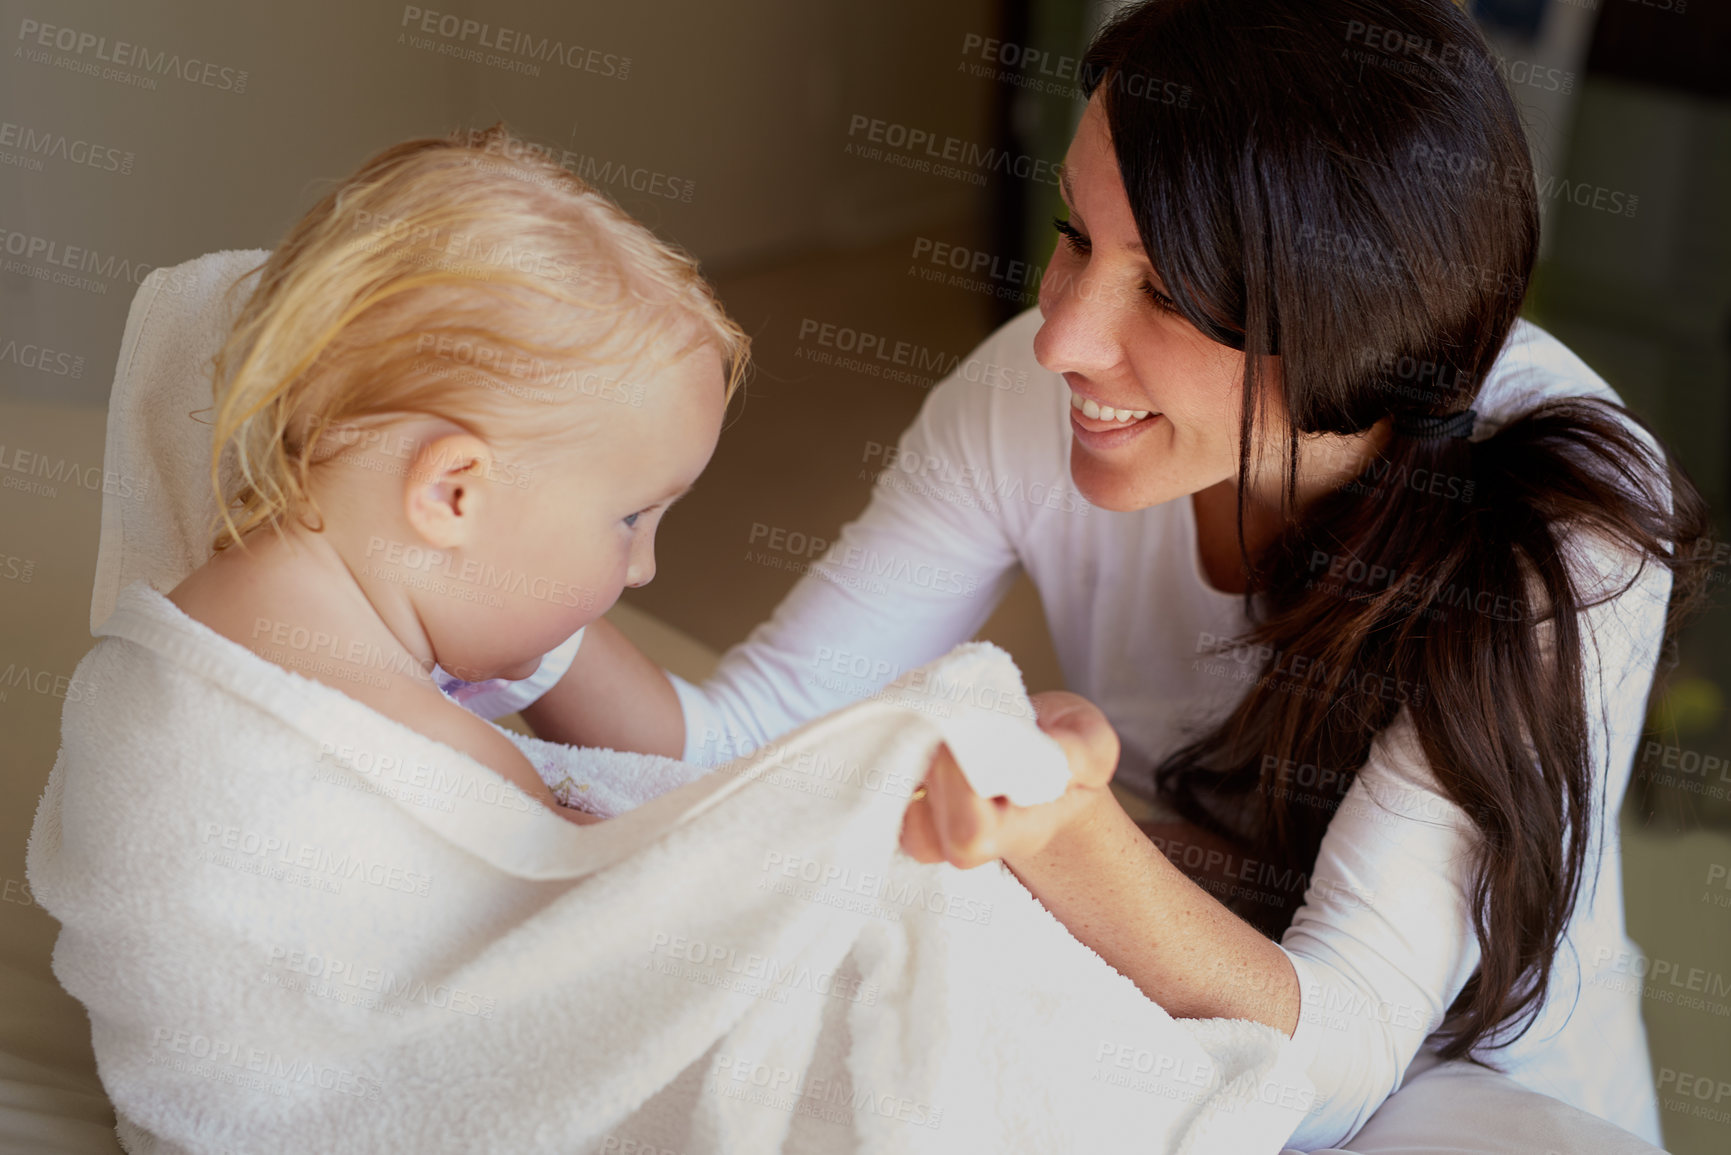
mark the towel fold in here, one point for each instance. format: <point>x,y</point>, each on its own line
<point>158,507</point>
<point>298,925</point>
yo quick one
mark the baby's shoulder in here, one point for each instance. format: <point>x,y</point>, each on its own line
<point>296,634</point>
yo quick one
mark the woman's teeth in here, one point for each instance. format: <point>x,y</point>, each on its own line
<point>1092,408</point>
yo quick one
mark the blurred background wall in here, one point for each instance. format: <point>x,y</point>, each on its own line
<point>736,130</point>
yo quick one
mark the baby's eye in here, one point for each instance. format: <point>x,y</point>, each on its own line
<point>630,519</point>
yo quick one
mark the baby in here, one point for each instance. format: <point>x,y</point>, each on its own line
<point>461,398</point>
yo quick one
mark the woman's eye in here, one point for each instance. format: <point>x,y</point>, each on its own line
<point>1081,245</point>
<point>1072,236</point>
<point>1161,301</point>
<point>630,519</point>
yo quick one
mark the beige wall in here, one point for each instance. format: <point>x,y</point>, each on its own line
<point>743,108</point>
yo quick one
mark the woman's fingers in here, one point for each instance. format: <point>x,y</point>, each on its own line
<point>950,823</point>
<point>921,837</point>
<point>920,834</point>
<point>953,824</point>
<point>1081,729</point>
<point>967,825</point>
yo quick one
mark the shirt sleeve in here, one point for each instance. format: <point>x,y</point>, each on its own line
<point>917,573</point>
<point>1384,941</point>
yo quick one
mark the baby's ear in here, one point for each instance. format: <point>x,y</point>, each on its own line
<point>442,490</point>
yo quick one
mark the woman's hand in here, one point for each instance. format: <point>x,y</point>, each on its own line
<point>953,824</point>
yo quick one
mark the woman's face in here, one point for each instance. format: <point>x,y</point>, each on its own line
<point>1110,330</point>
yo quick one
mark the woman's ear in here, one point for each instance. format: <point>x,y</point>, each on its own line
<point>442,494</point>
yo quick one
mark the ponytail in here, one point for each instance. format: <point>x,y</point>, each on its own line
<point>1443,581</point>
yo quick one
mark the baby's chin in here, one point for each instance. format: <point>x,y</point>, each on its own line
<point>521,670</point>
<point>515,672</point>
<point>525,668</point>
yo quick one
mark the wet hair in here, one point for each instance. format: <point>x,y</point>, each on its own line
<point>1345,185</point>
<point>468,277</point>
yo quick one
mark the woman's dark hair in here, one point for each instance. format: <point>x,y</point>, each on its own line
<point>1345,183</point>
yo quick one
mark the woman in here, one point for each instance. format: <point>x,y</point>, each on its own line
<point>1371,579</point>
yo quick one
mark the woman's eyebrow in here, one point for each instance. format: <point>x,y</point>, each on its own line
<point>1132,246</point>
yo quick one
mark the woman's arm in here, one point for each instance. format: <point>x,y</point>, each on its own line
<point>1381,947</point>
<point>1379,950</point>
<point>1384,941</point>
<point>1158,928</point>
<point>1098,873</point>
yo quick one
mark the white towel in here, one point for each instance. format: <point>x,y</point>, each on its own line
<point>157,504</point>
<point>300,926</point>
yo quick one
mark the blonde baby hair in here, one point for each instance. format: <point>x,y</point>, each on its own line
<point>461,277</point>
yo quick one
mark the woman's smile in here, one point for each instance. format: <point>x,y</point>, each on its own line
<point>1100,426</point>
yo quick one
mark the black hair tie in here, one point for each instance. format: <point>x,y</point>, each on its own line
<point>1426,427</point>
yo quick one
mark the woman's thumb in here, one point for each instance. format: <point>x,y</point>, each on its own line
<point>1081,728</point>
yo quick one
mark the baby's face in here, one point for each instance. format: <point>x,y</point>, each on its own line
<point>558,540</point>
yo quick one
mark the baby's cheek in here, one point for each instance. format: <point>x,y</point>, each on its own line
<point>599,586</point>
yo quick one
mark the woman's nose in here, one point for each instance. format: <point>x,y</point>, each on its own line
<point>1081,323</point>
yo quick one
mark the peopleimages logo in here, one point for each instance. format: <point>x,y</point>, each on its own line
<point>1039,70</point>
<point>35,36</point>
<point>514,45</point>
<point>38,143</point>
<point>49,258</point>
<point>20,469</point>
<point>28,355</point>
<point>929,148</point>
<point>204,1056</point>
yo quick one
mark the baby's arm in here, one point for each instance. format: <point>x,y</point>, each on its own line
<point>613,697</point>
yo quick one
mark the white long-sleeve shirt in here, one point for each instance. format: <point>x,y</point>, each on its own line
<point>980,486</point>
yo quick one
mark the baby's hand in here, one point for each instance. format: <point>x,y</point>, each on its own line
<point>951,823</point>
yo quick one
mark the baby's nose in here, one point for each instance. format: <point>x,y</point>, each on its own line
<point>640,573</point>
